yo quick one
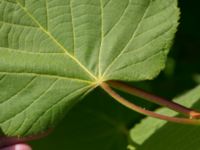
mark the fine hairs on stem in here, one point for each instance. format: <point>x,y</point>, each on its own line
<point>121,86</point>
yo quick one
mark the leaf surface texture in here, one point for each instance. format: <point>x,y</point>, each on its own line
<point>53,52</point>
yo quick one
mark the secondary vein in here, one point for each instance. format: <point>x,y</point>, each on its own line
<point>46,75</point>
<point>57,43</point>
<point>99,54</point>
<point>134,34</point>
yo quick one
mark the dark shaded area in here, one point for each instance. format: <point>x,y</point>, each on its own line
<point>184,59</point>
<point>97,123</point>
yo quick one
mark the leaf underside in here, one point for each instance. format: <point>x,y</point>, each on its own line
<point>53,52</point>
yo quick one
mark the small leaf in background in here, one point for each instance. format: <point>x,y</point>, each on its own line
<point>157,134</point>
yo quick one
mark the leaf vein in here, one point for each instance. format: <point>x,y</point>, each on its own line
<point>20,25</point>
<point>56,42</point>
<point>34,101</point>
<point>72,24</point>
<point>120,18</point>
<point>143,47</point>
<point>106,3</point>
<point>46,75</point>
<point>140,62</point>
<point>47,15</point>
<point>100,49</point>
<point>20,126</point>
<point>134,33</point>
<point>57,103</point>
<point>2,77</point>
<point>30,52</point>
<point>149,42</point>
<point>19,91</point>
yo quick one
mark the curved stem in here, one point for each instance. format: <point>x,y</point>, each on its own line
<point>136,108</point>
<point>155,99</point>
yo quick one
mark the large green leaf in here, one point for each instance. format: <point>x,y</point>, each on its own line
<point>170,135</point>
<point>53,52</point>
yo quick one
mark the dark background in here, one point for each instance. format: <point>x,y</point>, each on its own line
<point>183,65</point>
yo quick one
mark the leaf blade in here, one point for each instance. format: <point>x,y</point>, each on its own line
<point>68,41</point>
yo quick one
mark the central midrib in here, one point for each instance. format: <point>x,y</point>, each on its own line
<point>56,42</point>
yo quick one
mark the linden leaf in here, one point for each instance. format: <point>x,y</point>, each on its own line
<point>53,52</point>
